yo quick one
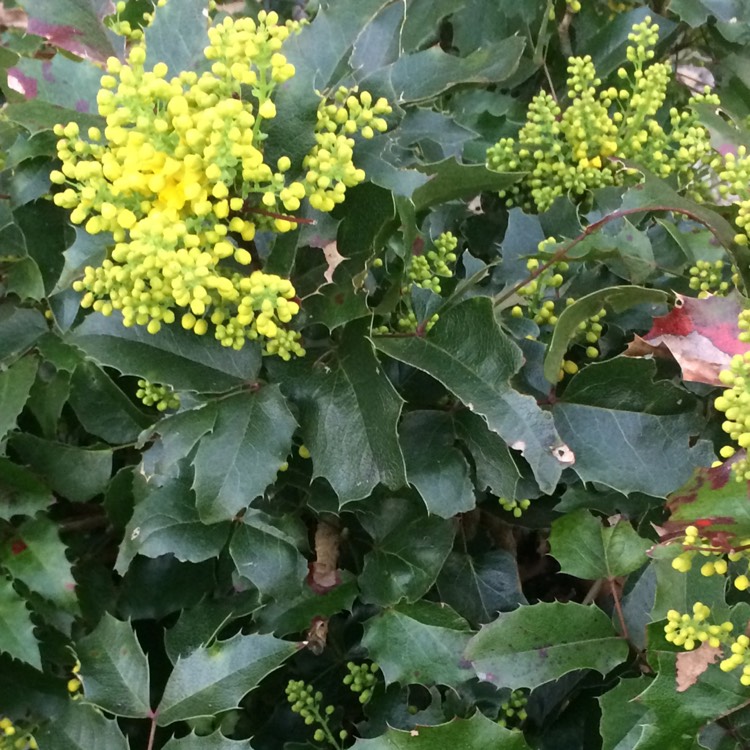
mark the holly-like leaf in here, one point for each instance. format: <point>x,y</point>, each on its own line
<point>420,643</point>
<point>679,715</point>
<point>102,408</point>
<point>20,327</point>
<point>618,298</point>
<point>349,402</point>
<point>177,36</point>
<point>430,72</point>
<point>199,624</point>
<point>700,334</point>
<point>433,465</point>
<point>76,26</point>
<point>81,726</point>
<point>53,461</point>
<point>21,493</point>
<point>265,551</point>
<point>450,180</point>
<point>623,718</point>
<point>165,522</point>
<point>15,385</point>
<point>478,588</point>
<point>36,556</point>
<point>533,645</point>
<point>173,356</point>
<point>16,629</point>
<point>114,669</point>
<point>214,679</point>
<point>252,437</point>
<point>629,432</point>
<point>476,732</point>
<point>469,354</point>
<point>495,468</point>
<point>587,549</point>
<point>215,741</point>
<point>408,552</point>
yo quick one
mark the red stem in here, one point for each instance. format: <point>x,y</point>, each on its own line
<point>618,608</point>
<point>152,733</point>
<point>590,229</point>
<point>272,215</point>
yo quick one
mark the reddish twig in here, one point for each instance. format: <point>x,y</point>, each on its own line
<point>284,217</point>
<point>590,229</point>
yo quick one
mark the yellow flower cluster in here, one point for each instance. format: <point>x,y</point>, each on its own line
<point>689,632</point>
<point>695,544</point>
<point>575,150</point>
<point>516,507</point>
<point>427,269</point>
<point>125,28</point>
<point>13,737</point>
<point>734,173</point>
<point>178,177</point>
<point>160,396</point>
<point>734,402</point>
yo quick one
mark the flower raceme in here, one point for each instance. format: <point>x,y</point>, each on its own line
<point>575,150</point>
<point>180,179</point>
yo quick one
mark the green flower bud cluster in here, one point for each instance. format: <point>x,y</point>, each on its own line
<point>513,711</point>
<point>691,631</point>
<point>179,178</point>
<point>361,679</point>
<point>309,705</point>
<point>707,278</point>
<point>573,6</point>
<point>576,150</point>
<point>540,308</point>
<point>427,269</point>
<point>13,737</point>
<point>330,169</point>
<point>160,396</point>
<point>589,331</point>
<point>516,507</point>
<point>734,403</point>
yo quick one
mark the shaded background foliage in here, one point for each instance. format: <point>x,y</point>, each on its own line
<point>171,557</point>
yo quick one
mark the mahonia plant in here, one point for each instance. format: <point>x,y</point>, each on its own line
<point>160,396</point>
<point>581,148</point>
<point>179,178</point>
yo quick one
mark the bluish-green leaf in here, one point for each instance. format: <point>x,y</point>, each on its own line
<point>408,551</point>
<point>81,726</point>
<point>474,733</point>
<point>102,408</point>
<point>36,557</point>
<point>173,356</point>
<point>53,462</point>
<point>215,678</point>
<point>417,644</point>
<point>178,35</point>
<point>536,644</point>
<point>20,327</point>
<point>349,402</point>
<point>251,439</point>
<point>15,385</point>
<point>434,465</point>
<point>16,629</point>
<point>166,521</point>
<point>480,587</point>
<point>114,669</point>
<point>215,741</point>
<point>469,354</point>
<point>266,553</point>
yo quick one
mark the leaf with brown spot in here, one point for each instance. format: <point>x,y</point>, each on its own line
<point>700,334</point>
<point>692,664</point>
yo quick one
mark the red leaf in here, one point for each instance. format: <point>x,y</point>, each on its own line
<point>700,334</point>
